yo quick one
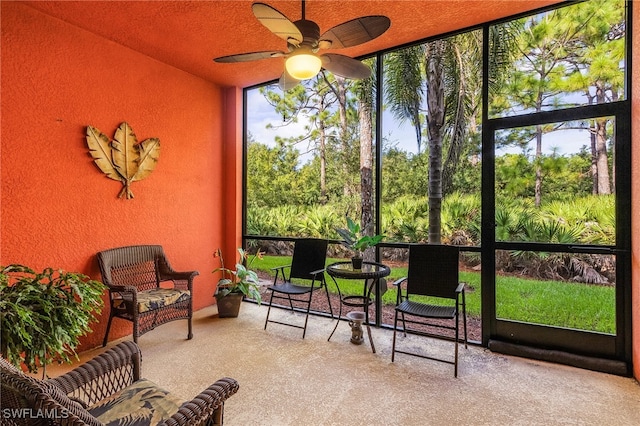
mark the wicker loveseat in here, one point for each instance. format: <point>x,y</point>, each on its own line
<point>136,277</point>
<point>107,390</point>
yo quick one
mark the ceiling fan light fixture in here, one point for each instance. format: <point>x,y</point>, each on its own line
<point>303,65</point>
<point>304,40</point>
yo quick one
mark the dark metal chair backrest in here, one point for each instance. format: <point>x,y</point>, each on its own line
<point>433,270</point>
<point>139,266</point>
<point>309,255</point>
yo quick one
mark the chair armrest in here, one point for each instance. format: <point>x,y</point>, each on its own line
<point>103,375</point>
<point>279,271</point>
<point>319,271</point>
<point>314,277</point>
<point>174,276</point>
<point>280,267</point>
<point>398,283</point>
<point>460,288</point>
<point>122,289</point>
<point>206,406</point>
<point>128,296</point>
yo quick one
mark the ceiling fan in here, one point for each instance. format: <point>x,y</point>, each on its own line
<point>303,38</point>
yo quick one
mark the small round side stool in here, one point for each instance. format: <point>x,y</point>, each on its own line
<point>355,321</point>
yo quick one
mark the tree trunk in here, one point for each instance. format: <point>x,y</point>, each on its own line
<point>344,131</point>
<point>614,98</point>
<point>538,185</point>
<point>594,161</point>
<point>602,159</point>
<point>323,164</point>
<point>459,127</point>
<point>322,143</point>
<point>602,163</point>
<point>435,122</point>
<point>366,173</point>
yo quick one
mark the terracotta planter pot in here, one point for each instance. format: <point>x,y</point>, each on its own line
<point>229,305</point>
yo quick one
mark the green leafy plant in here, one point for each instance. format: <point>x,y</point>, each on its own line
<point>42,315</point>
<point>242,280</point>
<point>354,240</point>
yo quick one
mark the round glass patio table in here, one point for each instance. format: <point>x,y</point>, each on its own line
<point>371,272</point>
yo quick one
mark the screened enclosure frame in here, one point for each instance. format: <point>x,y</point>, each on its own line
<point>610,353</point>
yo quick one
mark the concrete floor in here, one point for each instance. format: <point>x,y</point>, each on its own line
<point>285,380</point>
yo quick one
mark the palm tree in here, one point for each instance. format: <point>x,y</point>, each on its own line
<point>365,92</point>
<point>403,80</point>
<point>451,84</point>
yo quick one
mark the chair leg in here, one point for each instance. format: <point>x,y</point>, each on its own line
<point>464,320</point>
<point>299,301</point>
<point>404,325</point>
<point>266,321</point>
<point>326,289</point>
<point>306,318</point>
<point>190,333</point>
<point>455,359</point>
<point>395,328</point>
<point>136,319</point>
<point>106,334</point>
<point>290,301</point>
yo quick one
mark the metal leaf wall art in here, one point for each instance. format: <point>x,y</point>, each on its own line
<point>123,158</point>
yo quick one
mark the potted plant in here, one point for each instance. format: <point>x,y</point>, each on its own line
<point>356,242</point>
<point>235,284</point>
<point>42,315</point>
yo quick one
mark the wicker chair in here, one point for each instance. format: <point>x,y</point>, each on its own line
<point>106,390</point>
<point>134,275</point>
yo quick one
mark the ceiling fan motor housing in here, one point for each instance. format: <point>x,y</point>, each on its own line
<point>310,33</point>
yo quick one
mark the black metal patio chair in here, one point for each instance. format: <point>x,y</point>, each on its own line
<point>433,272</point>
<point>306,275</point>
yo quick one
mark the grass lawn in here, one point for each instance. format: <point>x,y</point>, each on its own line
<point>562,304</point>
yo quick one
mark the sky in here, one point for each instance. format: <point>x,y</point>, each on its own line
<point>402,135</point>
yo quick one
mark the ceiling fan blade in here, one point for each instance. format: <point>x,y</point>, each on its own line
<point>345,66</point>
<point>277,23</point>
<point>287,82</point>
<point>356,31</point>
<point>245,57</point>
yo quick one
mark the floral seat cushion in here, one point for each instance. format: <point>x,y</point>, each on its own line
<point>142,403</point>
<point>150,300</point>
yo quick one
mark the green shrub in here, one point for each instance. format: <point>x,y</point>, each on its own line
<point>42,315</point>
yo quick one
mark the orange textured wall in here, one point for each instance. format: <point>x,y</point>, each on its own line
<point>232,155</point>
<point>635,193</point>
<point>58,209</point>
